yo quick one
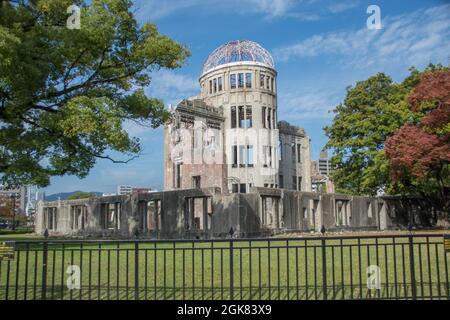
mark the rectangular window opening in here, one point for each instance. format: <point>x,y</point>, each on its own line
<point>241,117</point>
<point>233,117</point>
<point>248,80</point>
<point>220,84</point>
<point>240,80</point>
<point>248,120</point>
<point>232,81</point>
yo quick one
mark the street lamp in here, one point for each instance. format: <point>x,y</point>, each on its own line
<point>13,197</point>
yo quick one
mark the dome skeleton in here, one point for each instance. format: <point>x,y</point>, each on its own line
<point>238,51</point>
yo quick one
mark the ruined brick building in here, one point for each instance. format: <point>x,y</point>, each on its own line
<point>229,135</point>
<point>229,164</point>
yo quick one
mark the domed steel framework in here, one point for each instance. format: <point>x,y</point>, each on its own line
<point>237,51</point>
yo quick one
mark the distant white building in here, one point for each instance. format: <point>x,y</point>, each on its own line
<point>32,196</point>
<point>320,174</point>
<point>324,163</point>
<point>121,190</point>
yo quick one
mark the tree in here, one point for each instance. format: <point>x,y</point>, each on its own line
<point>419,152</point>
<point>372,111</point>
<point>66,93</point>
<point>81,195</point>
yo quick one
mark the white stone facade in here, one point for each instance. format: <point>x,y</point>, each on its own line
<point>239,84</point>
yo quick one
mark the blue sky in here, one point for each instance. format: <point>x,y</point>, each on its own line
<point>320,47</point>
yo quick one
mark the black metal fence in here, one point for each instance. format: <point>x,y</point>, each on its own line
<point>366,267</point>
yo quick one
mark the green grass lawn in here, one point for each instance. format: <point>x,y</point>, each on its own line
<point>203,270</point>
<point>19,236</point>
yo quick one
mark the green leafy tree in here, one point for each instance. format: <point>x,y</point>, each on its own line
<point>371,112</point>
<point>65,94</point>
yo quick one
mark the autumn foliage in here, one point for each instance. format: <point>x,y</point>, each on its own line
<point>419,152</point>
<point>413,150</point>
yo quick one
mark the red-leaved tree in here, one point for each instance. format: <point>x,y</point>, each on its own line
<point>419,152</point>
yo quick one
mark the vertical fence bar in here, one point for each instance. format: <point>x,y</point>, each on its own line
<point>81,271</point>
<point>395,267</point>
<point>412,266</point>
<point>27,248</point>
<point>405,287</point>
<point>1,283</point>
<point>53,273</point>
<point>278,273</point>
<point>231,271</point>
<point>369,291</point>
<point>240,273</point>
<point>386,272</point>
<point>315,273</point>
<point>351,269</point>
<point>184,273</point>
<point>333,272</point>
<point>127,271</point>
<point>430,284</point>
<point>117,271</point>
<point>146,274</point>
<point>221,273</point>
<point>99,269</point>
<point>193,270</point>
<point>306,270</point>
<point>422,291</point>
<point>377,256</point>
<point>296,271</point>
<point>268,269</point>
<point>212,270</point>
<point>174,270</point>
<point>63,252</point>
<point>108,290</point>
<point>287,269</point>
<point>447,287</point>
<point>44,270</point>
<point>16,292</point>
<point>165,274</point>
<point>324,269</point>
<point>136,270</point>
<point>155,269</point>
<point>8,268</point>
<point>438,270</point>
<point>90,273</point>
<point>250,269</point>
<point>259,272</point>
<point>71,263</point>
<point>203,274</point>
<point>359,269</point>
<point>342,268</point>
<point>35,273</point>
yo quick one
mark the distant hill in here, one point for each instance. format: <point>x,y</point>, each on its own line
<point>65,195</point>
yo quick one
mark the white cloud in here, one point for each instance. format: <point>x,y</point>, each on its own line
<point>150,10</point>
<point>408,39</point>
<point>271,8</point>
<point>172,87</point>
<point>301,106</point>
<point>342,6</point>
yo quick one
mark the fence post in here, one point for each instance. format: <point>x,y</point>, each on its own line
<point>447,287</point>
<point>324,269</point>
<point>412,266</point>
<point>136,270</point>
<point>44,266</point>
<point>231,271</point>
<point>324,263</point>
